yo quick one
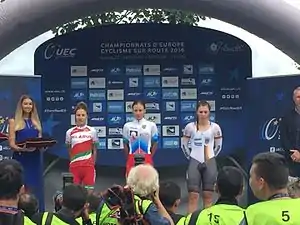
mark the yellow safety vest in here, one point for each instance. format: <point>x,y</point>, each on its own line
<point>274,212</point>
<point>92,218</point>
<point>107,216</point>
<point>220,214</point>
<point>54,221</point>
<point>27,221</point>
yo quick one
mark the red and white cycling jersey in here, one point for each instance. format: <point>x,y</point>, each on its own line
<point>82,141</point>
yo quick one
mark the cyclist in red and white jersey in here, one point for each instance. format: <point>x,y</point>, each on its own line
<point>140,136</point>
<point>82,141</point>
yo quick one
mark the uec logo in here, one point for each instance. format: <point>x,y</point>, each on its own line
<point>56,51</point>
<point>271,130</point>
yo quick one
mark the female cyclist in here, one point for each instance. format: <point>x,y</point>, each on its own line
<point>82,141</point>
<point>140,136</point>
<point>205,138</point>
<point>26,124</point>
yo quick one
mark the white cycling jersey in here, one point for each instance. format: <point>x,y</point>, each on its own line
<point>139,134</point>
<point>212,137</point>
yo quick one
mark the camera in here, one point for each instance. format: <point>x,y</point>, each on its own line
<point>139,159</point>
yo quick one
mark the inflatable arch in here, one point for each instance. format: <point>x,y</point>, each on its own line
<point>275,21</point>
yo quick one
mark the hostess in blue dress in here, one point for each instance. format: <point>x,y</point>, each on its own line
<point>32,163</point>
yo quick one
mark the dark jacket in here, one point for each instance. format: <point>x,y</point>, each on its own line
<point>290,132</point>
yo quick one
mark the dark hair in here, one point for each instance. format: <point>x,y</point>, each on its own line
<point>273,168</point>
<point>11,179</point>
<point>29,204</point>
<point>136,102</point>
<point>229,182</point>
<point>203,103</point>
<point>74,197</point>
<point>169,193</point>
<point>94,200</point>
<point>81,105</point>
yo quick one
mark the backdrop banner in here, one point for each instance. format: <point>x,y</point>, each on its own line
<point>269,99</point>
<point>11,89</point>
<point>170,67</point>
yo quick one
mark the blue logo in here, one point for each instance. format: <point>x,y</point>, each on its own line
<point>115,71</point>
<point>170,70</point>
<point>79,83</point>
<point>115,107</point>
<point>170,106</point>
<point>188,106</point>
<point>152,106</point>
<point>152,94</point>
<point>187,118</point>
<point>95,119</point>
<point>102,144</point>
<point>270,129</point>
<point>170,119</point>
<point>97,107</point>
<point>206,81</point>
<point>115,82</point>
<point>171,143</point>
<point>129,117</point>
<point>206,69</point>
<point>115,119</point>
<point>152,82</point>
<point>203,94</point>
<point>170,94</point>
<point>97,95</point>
<point>133,95</point>
<point>134,70</point>
<point>79,95</point>
<point>279,96</point>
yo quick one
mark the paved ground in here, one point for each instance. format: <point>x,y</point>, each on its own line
<point>107,176</point>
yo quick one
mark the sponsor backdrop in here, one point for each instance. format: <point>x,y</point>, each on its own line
<point>11,89</point>
<point>109,67</point>
<point>268,100</point>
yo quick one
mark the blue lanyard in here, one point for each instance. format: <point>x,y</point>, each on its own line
<point>8,209</point>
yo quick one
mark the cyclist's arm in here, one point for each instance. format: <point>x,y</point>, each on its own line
<point>187,133</point>
<point>218,139</point>
<point>126,139</point>
<point>68,141</point>
<point>95,144</point>
<point>154,138</point>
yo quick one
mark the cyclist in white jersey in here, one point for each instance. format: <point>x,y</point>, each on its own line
<point>140,137</point>
<point>201,136</point>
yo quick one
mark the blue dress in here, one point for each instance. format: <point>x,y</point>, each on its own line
<point>32,163</point>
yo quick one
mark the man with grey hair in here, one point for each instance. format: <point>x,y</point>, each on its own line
<point>290,135</point>
<point>144,182</point>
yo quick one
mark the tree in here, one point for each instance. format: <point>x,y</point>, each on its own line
<point>131,16</point>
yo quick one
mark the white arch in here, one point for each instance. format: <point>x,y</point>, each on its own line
<point>276,21</point>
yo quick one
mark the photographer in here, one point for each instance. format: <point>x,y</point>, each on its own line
<point>29,204</point>
<point>144,182</point>
<point>74,205</point>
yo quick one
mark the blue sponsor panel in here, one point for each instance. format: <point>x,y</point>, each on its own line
<point>152,82</point>
<point>97,119</point>
<point>186,118</point>
<point>212,117</point>
<point>134,70</point>
<point>115,107</point>
<point>79,95</point>
<point>115,70</point>
<point>79,83</point>
<point>170,94</point>
<point>188,106</point>
<point>97,107</point>
<point>151,94</point>
<point>171,142</point>
<point>170,73</point>
<point>97,95</point>
<point>133,95</point>
<point>170,118</point>
<point>102,144</point>
<point>115,119</point>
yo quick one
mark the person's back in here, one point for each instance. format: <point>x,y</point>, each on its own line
<point>226,210</point>
<point>11,187</point>
<point>277,212</point>
<point>268,181</point>
<point>29,204</point>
